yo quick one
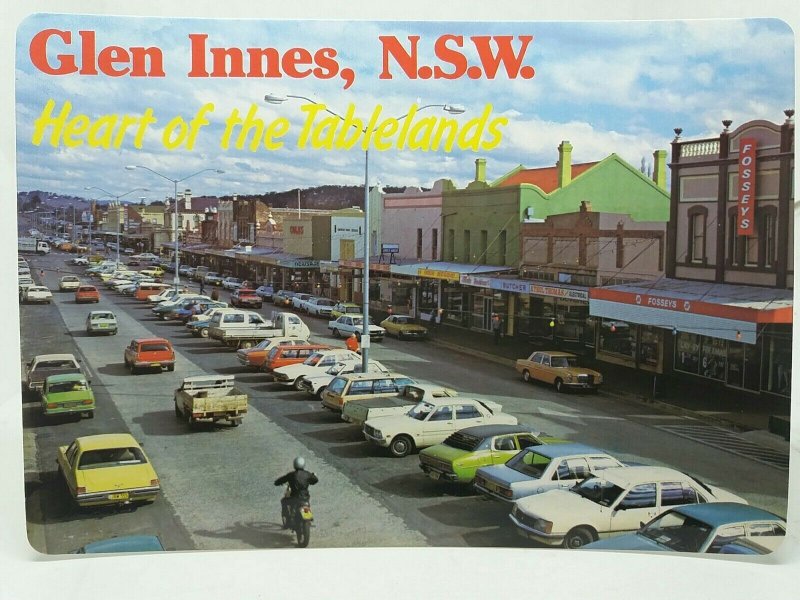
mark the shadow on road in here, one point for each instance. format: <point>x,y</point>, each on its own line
<point>406,486</point>
<point>112,369</point>
<point>339,435</point>
<point>363,450</point>
<point>317,417</point>
<point>162,422</point>
<point>208,350</point>
<point>468,512</point>
<point>259,534</point>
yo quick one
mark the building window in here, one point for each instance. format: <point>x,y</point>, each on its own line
<point>419,244</point>
<point>697,234</point>
<point>735,241</point>
<point>467,246</point>
<point>759,249</point>
<point>435,244</point>
<point>451,244</point>
<point>502,247</point>
<point>484,246</point>
<point>769,240</point>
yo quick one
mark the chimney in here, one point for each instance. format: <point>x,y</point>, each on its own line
<point>564,163</point>
<point>480,170</point>
<point>187,196</point>
<point>660,168</point>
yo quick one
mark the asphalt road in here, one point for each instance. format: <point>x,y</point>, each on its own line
<point>217,481</point>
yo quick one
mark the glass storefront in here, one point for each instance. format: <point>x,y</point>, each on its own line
<point>638,346</point>
<point>776,366</point>
<point>455,302</point>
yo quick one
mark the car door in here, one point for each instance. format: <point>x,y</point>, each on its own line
<point>545,370</point>
<point>439,424</point>
<point>504,447</point>
<point>67,462</point>
<point>636,506</point>
<point>536,365</point>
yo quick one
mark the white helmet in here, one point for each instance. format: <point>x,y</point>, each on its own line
<point>299,463</point>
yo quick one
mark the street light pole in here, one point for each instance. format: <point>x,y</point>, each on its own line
<point>118,205</point>
<point>175,183</point>
<point>454,109</point>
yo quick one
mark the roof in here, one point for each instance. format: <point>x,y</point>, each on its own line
<point>150,340</point>
<point>545,178</point>
<point>371,375</point>
<point>106,440</point>
<point>66,377</point>
<point>40,357</point>
<point>554,353</point>
<point>559,450</point>
<point>626,476</point>
<point>723,513</point>
<point>485,431</point>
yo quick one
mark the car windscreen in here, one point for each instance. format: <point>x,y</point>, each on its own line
<point>313,359</point>
<point>56,364</point>
<point>421,411</point>
<point>67,386</point>
<point>111,457</point>
<point>563,362</point>
<point>529,463</point>
<point>337,385</point>
<point>154,348</point>
<point>325,302</point>
<point>598,490</point>
<point>677,532</point>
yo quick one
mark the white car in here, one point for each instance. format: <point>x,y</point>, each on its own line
<point>349,324</point>
<point>299,301</point>
<point>316,364</point>
<point>101,321</point>
<point>69,282</point>
<point>319,307</point>
<point>231,283</point>
<point>79,260</point>
<point>37,293</point>
<point>616,501</point>
<point>431,422</point>
<point>163,296</point>
<point>145,256</point>
<point>316,384</point>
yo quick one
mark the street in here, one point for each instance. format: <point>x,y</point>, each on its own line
<point>217,490</point>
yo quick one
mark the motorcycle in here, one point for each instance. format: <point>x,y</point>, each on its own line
<point>297,516</point>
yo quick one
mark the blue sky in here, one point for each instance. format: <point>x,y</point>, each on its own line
<point>607,87</point>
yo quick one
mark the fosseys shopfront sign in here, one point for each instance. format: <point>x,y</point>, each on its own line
<point>745,217</point>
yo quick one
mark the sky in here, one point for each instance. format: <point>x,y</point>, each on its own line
<point>613,87</point>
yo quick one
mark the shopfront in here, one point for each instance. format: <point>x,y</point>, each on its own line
<point>737,336</point>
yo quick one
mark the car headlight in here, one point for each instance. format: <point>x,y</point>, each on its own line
<point>377,433</point>
<point>569,376</point>
<point>542,525</point>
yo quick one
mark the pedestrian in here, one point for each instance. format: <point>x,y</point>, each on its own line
<point>497,328</point>
<point>352,343</point>
<point>202,287</point>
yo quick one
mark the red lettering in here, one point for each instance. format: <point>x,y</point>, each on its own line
<point>108,57</point>
<point>88,51</point>
<point>505,53</point>
<point>327,66</point>
<point>450,56</point>
<point>294,58</point>
<point>405,60</point>
<point>38,53</point>
<point>197,48</point>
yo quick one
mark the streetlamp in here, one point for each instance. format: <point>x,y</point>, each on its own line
<point>455,109</point>
<point>175,183</point>
<point>118,205</point>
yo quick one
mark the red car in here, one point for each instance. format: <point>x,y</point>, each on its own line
<point>87,293</point>
<point>149,353</point>
<point>246,297</point>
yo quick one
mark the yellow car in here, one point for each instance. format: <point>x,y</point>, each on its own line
<point>107,469</point>
<point>152,272</point>
<point>559,369</point>
<point>345,308</point>
<point>403,327</point>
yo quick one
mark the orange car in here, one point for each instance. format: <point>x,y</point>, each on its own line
<point>87,293</point>
<point>149,353</point>
<point>145,290</point>
<point>280,356</point>
<point>254,357</point>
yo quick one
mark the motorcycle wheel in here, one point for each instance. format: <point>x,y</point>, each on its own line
<point>285,517</point>
<point>303,532</point>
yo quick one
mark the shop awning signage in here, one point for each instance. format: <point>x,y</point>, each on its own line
<point>299,263</point>
<point>450,276</point>
<point>522,286</point>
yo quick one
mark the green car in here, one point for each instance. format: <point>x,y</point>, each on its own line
<point>460,455</point>
<point>69,393</point>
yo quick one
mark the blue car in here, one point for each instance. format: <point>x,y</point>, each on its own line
<point>198,328</point>
<point>714,528</point>
<point>265,291</point>
<point>128,543</point>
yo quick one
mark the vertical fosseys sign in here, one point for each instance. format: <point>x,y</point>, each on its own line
<point>745,222</point>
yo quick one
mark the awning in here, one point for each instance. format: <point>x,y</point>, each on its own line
<point>446,271</point>
<point>526,286</point>
<point>726,311</point>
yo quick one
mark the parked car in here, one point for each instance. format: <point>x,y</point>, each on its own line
<point>232,283</point>
<point>535,470</point>
<point>37,294</point>
<point>431,422</point>
<point>40,367</point>
<point>146,257</point>
<point>123,543</point>
<point>265,291</point>
<point>185,270</point>
<point>107,469</point>
<point>101,321</point>
<point>315,384</point>
<point>154,272</point>
<point>701,528</point>
<point>283,298</point>
<point>362,386</point>
<point>360,410</point>
<point>281,356</point>
<point>162,309</point>
<point>616,501</point>
<point>212,278</point>
<point>345,308</point>
<point>87,293</point>
<point>319,307</point>
<point>255,356</point>
<point>246,297</point>
<point>149,353</point>
<point>316,364</point>
<point>68,393</point>
<point>347,325</point>
<point>299,300</point>
<point>79,261</point>
<point>403,327</point>
<point>559,369</point>
<point>462,453</point>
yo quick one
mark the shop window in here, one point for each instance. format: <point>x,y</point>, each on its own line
<point>617,337</point>
<point>435,244</point>
<point>649,345</point>
<point>712,358</point>
<point>687,352</point>
<point>697,216</point>
<point>776,370</point>
<point>742,366</point>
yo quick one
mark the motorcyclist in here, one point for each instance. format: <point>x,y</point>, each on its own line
<point>298,481</point>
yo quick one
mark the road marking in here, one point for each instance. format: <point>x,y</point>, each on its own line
<point>547,412</point>
<point>726,440</point>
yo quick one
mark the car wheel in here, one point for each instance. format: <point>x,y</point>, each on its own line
<point>90,414</point>
<point>336,333</point>
<point>401,446</point>
<point>558,384</point>
<point>170,367</point>
<point>246,344</point>
<point>296,384</point>
<point>319,393</point>
<point>177,410</point>
<point>578,537</point>
<point>526,376</point>
<point>204,332</point>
